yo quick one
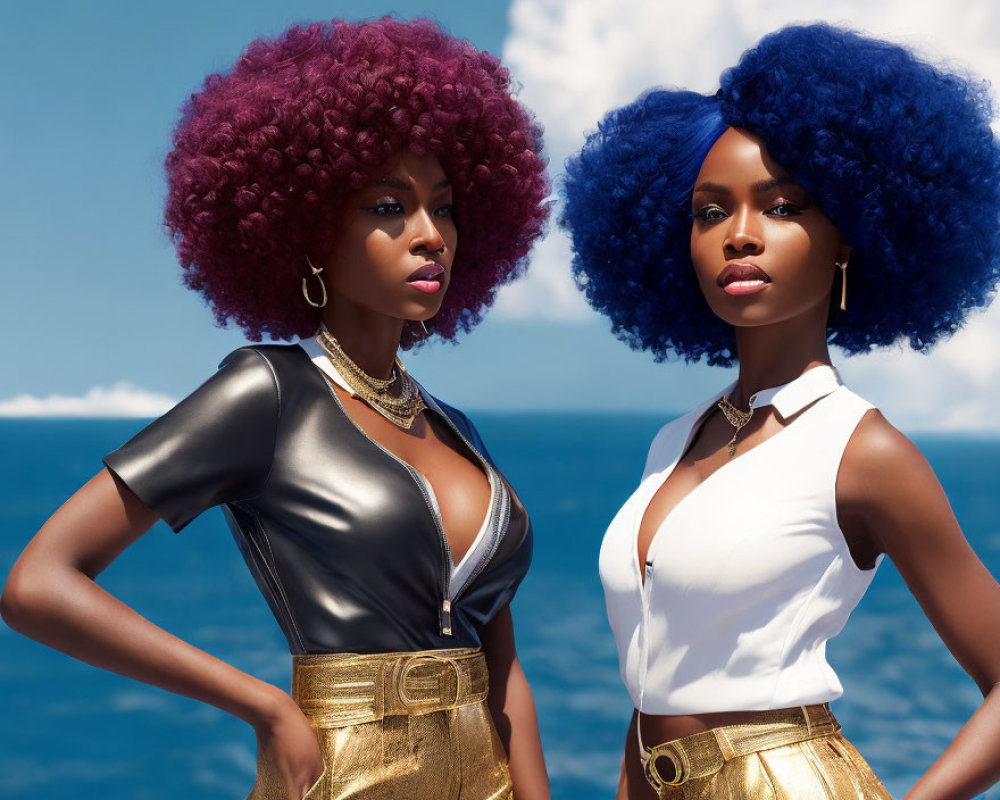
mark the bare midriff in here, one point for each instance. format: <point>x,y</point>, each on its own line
<point>658,728</point>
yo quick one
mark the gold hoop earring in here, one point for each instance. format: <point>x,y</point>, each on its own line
<point>305,287</point>
<point>842,266</point>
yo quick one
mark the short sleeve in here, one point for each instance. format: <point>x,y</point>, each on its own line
<point>213,447</point>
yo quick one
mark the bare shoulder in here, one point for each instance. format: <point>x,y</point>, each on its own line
<point>887,492</point>
<point>878,440</point>
<point>879,461</point>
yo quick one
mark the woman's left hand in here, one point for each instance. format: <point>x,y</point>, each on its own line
<point>289,758</point>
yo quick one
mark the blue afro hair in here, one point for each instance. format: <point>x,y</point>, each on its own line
<point>898,153</point>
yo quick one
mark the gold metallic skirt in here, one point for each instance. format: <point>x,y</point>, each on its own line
<point>789,754</point>
<point>398,725</point>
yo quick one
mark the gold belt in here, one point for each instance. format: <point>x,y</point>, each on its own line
<point>348,688</point>
<point>702,754</point>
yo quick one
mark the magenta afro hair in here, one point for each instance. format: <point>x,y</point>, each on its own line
<point>265,155</point>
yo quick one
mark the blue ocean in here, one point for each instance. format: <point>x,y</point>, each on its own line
<point>69,730</point>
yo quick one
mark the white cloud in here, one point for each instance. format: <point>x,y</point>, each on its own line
<point>549,292</point>
<point>950,390</point>
<point>577,59</point>
<point>121,400</point>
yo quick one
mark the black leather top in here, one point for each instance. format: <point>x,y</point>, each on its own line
<point>338,533</point>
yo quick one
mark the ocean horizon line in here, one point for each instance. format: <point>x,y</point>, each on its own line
<point>978,434</point>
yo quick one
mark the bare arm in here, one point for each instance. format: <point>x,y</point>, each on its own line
<point>51,595</point>
<point>513,709</point>
<point>622,792</point>
<point>888,494</point>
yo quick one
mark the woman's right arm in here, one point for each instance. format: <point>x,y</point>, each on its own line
<point>51,595</point>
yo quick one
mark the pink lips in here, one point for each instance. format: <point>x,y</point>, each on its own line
<point>426,278</point>
<point>740,279</point>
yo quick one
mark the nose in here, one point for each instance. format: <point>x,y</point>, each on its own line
<point>425,237</point>
<point>744,234</point>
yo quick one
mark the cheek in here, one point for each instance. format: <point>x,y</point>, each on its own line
<point>449,233</point>
<point>354,266</point>
<point>795,248</point>
<point>380,255</point>
<point>706,256</point>
<point>375,253</point>
<point>813,254</point>
<point>348,245</point>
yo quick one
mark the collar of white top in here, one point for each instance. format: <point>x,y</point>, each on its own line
<point>790,398</point>
<point>319,357</point>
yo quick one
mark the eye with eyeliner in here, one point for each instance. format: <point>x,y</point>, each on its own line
<point>709,214</point>
<point>785,209</point>
<point>387,206</point>
<point>712,213</point>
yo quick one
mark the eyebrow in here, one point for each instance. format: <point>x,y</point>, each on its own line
<point>396,183</point>
<point>757,188</point>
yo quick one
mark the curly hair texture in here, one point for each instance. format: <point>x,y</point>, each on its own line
<point>265,156</point>
<point>897,153</point>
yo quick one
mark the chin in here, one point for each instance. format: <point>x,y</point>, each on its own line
<point>419,313</point>
<point>762,317</point>
<point>743,312</point>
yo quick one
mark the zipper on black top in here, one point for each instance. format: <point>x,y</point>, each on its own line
<point>444,622</point>
<point>502,498</point>
<point>446,617</point>
<point>498,490</point>
<point>435,512</point>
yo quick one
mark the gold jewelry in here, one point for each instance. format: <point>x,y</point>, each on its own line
<point>423,325</point>
<point>401,409</point>
<point>305,289</point>
<point>329,343</point>
<point>842,266</point>
<point>738,419</point>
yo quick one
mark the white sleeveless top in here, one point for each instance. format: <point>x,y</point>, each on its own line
<point>749,575</point>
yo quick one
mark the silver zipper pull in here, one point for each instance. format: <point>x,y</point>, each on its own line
<point>446,618</point>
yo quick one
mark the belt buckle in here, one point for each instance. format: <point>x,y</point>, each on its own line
<point>677,760</point>
<point>409,701</point>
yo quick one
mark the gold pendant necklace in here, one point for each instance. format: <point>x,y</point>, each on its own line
<point>400,409</point>
<point>738,419</point>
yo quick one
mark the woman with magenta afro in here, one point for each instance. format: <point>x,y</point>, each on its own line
<point>357,189</point>
<point>837,189</point>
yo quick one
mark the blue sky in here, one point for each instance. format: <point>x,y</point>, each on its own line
<point>92,293</point>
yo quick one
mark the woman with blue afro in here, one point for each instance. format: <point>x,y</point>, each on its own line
<point>836,189</point>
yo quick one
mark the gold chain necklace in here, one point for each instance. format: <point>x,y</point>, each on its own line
<point>738,419</point>
<point>401,409</point>
<point>333,349</point>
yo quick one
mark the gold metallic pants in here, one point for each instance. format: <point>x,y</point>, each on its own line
<point>790,754</point>
<point>407,726</point>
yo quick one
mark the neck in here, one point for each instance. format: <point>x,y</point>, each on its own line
<point>772,355</point>
<point>370,340</point>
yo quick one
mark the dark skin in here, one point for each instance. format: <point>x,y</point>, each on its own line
<point>747,210</point>
<point>398,224</point>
